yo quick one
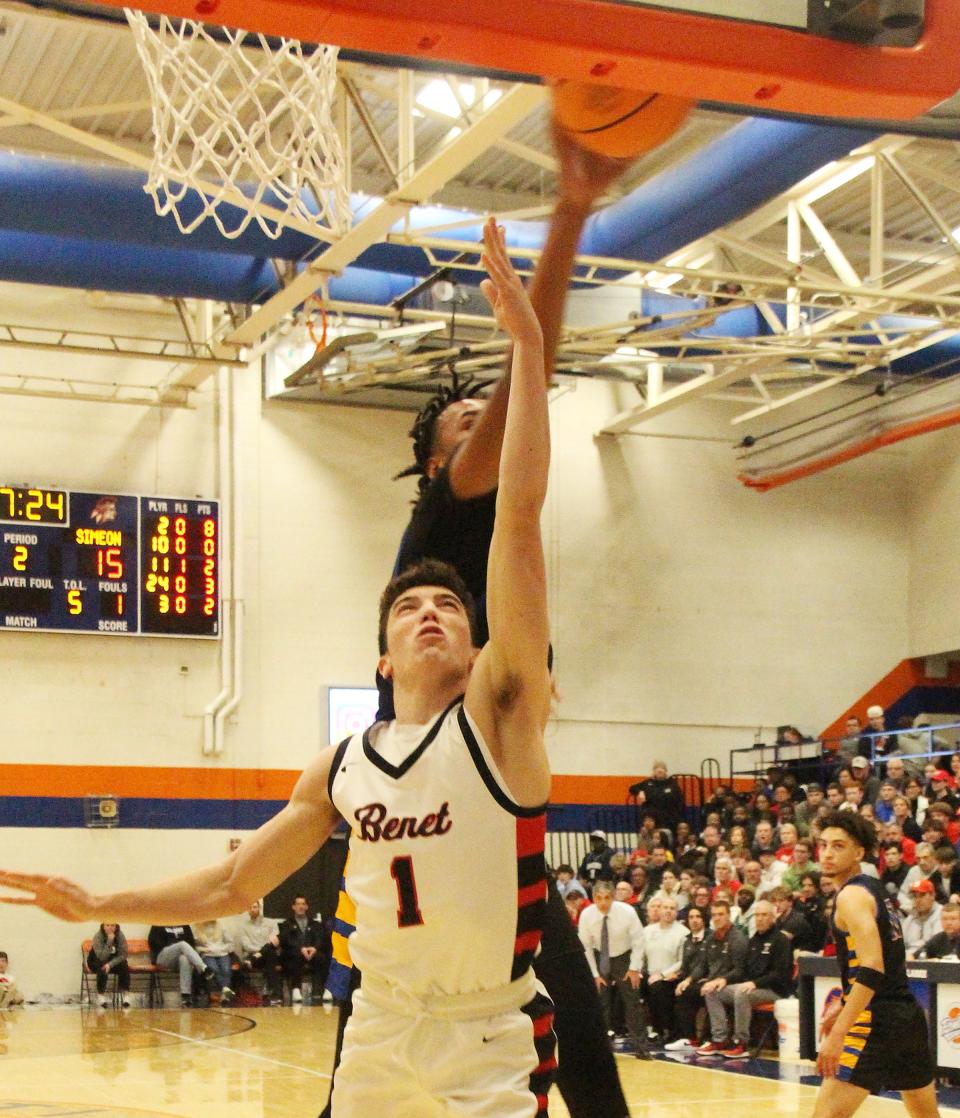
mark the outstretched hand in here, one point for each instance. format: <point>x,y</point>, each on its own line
<point>56,895</point>
<point>583,175</point>
<point>504,291</point>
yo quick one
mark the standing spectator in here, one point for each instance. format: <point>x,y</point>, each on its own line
<point>767,974</point>
<point>9,991</point>
<point>216,950</point>
<point>877,724</point>
<point>258,947</point>
<point>662,959</point>
<point>173,947</point>
<point>693,970</point>
<point>108,955</point>
<point>596,862</point>
<point>946,943</point>
<point>726,956</point>
<point>923,923</point>
<point>612,936</point>
<point>662,795</point>
<point>302,953</point>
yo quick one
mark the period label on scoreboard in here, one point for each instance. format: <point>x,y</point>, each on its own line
<point>108,563</point>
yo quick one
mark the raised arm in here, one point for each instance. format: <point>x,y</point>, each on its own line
<point>583,178</point>
<point>509,688</point>
<point>262,862</point>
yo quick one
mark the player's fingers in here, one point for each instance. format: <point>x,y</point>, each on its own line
<point>489,291</point>
<point>22,880</point>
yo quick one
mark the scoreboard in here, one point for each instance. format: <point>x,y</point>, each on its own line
<point>108,563</point>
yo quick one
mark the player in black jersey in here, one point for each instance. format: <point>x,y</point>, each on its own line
<point>875,1037</point>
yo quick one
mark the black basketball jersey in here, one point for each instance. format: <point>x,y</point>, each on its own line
<point>894,986</point>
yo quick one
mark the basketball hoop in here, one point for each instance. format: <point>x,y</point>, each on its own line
<point>243,129</point>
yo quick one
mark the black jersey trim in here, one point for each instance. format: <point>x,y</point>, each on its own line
<point>397,771</point>
<point>487,776</point>
<point>335,765</point>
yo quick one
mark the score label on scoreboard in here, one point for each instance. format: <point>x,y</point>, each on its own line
<point>108,563</point>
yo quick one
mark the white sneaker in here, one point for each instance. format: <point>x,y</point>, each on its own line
<point>295,996</point>
<point>101,1001</point>
<point>677,1045</point>
<point>126,1002</point>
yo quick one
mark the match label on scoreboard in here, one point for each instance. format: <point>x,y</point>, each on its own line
<point>108,563</point>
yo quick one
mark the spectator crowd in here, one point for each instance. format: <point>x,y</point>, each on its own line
<point>692,929</point>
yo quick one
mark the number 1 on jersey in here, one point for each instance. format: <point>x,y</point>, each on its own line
<point>408,913</point>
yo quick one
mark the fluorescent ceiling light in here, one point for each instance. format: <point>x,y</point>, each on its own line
<point>439,97</point>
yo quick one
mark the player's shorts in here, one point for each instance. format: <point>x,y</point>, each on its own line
<point>421,1065</point>
<point>888,1048</point>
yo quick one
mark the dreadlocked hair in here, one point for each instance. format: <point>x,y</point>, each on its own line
<point>424,426</point>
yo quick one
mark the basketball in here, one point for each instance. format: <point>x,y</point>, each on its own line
<point>621,123</point>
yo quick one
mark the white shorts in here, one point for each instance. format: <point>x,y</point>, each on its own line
<point>423,1066</point>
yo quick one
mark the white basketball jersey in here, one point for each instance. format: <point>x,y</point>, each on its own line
<point>446,871</point>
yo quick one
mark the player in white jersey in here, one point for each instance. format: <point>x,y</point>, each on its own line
<point>448,1020</point>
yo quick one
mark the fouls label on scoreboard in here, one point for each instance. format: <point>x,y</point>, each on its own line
<point>108,563</point>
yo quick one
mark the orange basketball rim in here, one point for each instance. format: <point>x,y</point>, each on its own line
<point>701,57</point>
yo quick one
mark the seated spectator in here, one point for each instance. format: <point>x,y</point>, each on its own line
<point>766,975</point>
<point>684,838</point>
<point>791,921</point>
<point>596,862</point>
<point>781,797</point>
<point>771,870</point>
<point>946,877</point>
<point>853,795</point>
<point>725,877</point>
<point>944,944</point>
<point>692,973</point>
<point>172,947</point>
<point>762,805</point>
<point>810,903</point>
<point>883,808</point>
<point>107,956</point>
<point>726,956</point>
<point>10,994</point>
<point>640,885</point>
<point>788,839</point>
<point>807,809</point>
<point>567,883</point>
<point>670,887</point>
<point>894,872</point>
<point>752,877</point>
<point>258,946</point>
<point>662,960</point>
<point>834,794</point>
<point>954,769</point>
<point>612,936</point>
<point>926,865</point>
<point>657,863</point>
<point>940,809</point>
<point>913,790</point>
<point>216,950</point>
<point>801,863</point>
<point>738,836</point>
<point>685,889</point>
<point>935,831</point>
<point>901,816</point>
<point>941,791</point>
<point>619,867</point>
<point>302,953</point>
<point>763,836</point>
<point>923,923</point>
<point>853,741</point>
<point>662,795</point>
<point>745,919</point>
<point>573,903</point>
<point>896,773</point>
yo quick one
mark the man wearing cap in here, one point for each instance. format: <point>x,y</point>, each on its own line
<point>596,863</point>
<point>863,776</point>
<point>941,791</point>
<point>877,724</point>
<point>924,922</point>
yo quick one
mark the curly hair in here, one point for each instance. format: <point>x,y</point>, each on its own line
<point>861,830</point>
<point>424,429</point>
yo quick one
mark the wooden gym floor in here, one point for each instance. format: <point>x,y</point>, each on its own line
<point>274,1063</point>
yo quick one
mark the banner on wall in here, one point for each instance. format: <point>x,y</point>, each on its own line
<point>948,1025</point>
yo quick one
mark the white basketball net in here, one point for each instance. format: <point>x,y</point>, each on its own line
<point>242,132</point>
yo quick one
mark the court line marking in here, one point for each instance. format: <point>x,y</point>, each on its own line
<point>239,1052</point>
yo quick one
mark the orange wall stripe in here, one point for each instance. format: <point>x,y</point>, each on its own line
<point>857,450</point>
<point>894,685</point>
